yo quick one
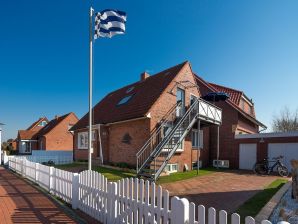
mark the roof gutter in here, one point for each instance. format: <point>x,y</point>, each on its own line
<point>254,121</point>
<point>129,120</point>
<point>95,126</point>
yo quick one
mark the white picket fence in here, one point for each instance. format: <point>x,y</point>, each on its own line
<point>57,159</point>
<point>126,201</point>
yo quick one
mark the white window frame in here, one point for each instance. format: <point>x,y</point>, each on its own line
<point>170,167</point>
<point>194,142</point>
<point>84,135</point>
<point>28,146</point>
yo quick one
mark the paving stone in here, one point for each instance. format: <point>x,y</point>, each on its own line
<point>221,190</point>
<point>22,203</point>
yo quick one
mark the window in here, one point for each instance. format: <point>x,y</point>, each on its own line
<point>171,167</point>
<point>194,138</point>
<point>124,100</point>
<point>43,123</point>
<point>83,139</point>
<point>130,89</point>
<point>28,147</point>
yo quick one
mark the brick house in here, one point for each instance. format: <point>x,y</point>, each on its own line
<point>47,135</point>
<point>125,119</point>
<point>238,118</point>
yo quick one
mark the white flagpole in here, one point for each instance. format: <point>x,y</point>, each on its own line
<point>90,151</point>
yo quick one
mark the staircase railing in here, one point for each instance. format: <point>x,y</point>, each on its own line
<point>152,162</point>
<point>165,150</point>
<point>156,136</point>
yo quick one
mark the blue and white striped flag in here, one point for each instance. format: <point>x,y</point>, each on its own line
<point>109,23</point>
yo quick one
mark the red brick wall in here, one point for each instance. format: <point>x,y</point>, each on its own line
<point>59,138</point>
<point>165,103</point>
<point>114,150</point>
<point>139,132</point>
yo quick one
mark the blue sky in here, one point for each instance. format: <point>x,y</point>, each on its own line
<point>247,45</point>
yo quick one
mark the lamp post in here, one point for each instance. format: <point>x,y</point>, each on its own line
<point>1,142</point>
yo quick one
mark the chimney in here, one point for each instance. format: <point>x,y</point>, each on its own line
<point>56,117</point>
<point>144,76</point>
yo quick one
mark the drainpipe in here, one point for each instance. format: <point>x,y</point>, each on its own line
<point>100,145</point>
<point>199,143</point>
<point>217,156</point>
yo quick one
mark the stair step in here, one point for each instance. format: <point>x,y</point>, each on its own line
<point>146,175</point>
<point>159,161</point>
<point>149,170</point>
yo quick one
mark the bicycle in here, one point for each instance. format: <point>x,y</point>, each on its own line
<point>264,168</point>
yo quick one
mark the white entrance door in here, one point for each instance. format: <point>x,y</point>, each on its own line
<point>247,156</point>
<point>288,150</point>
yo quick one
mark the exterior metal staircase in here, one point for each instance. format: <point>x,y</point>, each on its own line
<point>166,139</point>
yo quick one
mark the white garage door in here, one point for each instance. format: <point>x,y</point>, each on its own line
<point>288,150</point>
<point>247,156</point>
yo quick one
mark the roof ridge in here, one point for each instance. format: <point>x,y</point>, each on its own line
<point>146,93</point>
<point>151,76</point>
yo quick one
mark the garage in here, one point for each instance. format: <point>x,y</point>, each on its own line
<point>288,150</point>
<point>257,147</point>
<point>247,156</point>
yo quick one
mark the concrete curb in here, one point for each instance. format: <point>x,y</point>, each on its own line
<point>267,210</point>
<point>67,210</point>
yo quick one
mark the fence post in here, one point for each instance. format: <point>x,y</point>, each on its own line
<point>180,210</point>
<point>51,183</point>
<point>235,218</point>
<point>112,202</point>
<point>36,172</point>
<point>23,167</point>
<point>266,222</point>
<point>75,191</point>
<point>223,217</point>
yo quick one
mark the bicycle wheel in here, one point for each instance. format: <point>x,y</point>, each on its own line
<point>260,169</point>
<point>282,171</point>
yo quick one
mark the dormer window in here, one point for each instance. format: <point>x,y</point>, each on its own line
<point>42,124</point>
<point>130,89</point>
<point>124,100</point>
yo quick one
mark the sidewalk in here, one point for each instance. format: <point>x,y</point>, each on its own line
<point>22,203</point>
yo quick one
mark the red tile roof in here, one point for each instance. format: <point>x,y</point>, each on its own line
<point>144,95</point>
<point>41,131</point>
<point>235,95</point>
<point>52,124</point>
<point>27,134</point>
<point>234,100</point>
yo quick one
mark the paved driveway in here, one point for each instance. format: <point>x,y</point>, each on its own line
<point>221,190</point>
<point>22,203</point>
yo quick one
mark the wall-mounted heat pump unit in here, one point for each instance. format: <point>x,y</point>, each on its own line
<point>221,163</point>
